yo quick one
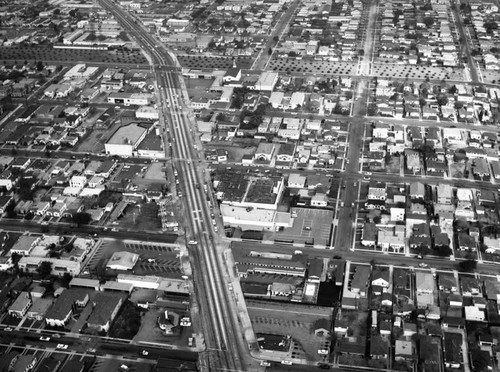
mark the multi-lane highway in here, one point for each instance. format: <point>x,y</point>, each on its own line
<point>225,345</point>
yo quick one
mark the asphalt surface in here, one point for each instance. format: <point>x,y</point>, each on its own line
<point>224,341</point>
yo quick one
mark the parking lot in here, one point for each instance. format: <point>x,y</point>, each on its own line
<point>154,258</point>
<point>296,321</point>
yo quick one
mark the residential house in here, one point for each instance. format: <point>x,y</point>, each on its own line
<point>417,190</point>
<point>105,309</point>
<point>21,305</point>
<point>369,235</point>
<point>62,309</point>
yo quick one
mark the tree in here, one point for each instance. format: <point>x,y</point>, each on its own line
<point>467,265</point>
<point>45,269</point>
<point>428,21</point>
<point>81,218</point>
<point>442,100</point>
<point>372,109</point>
<point>490,26</point>
<point>423,250</point>
<point>444,251</point>
<point>66,278</point>
<point>270,51</point>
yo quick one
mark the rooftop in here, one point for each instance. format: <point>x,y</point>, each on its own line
<point>104,306</point>
<point>129,134</point>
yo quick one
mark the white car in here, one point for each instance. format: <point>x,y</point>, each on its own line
<point>422,265</point>
<point>62,346</point>
<point>44,338</point>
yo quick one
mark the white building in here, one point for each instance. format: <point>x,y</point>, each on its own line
<point>147,112</point>
<point>78,182</point>
<point>296,101</point>
<point>127,99</point>
<point>267,81</point>
<point>125,140</point>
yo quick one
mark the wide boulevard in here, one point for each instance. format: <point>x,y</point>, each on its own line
<point>225,345</point>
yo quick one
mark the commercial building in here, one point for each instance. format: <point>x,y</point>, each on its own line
<point>126,139</point>
<point>59,266</point>
<point>128,99</point>
<point>122,261</point>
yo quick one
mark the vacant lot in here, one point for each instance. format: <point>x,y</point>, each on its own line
<point>141,217</point>
<point>49,54</point>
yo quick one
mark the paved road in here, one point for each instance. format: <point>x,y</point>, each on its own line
<point>224,341</point>
<point>466,51</point>
<point>263,58</point>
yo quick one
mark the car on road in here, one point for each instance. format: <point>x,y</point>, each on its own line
<point>8,329</point>
<point>56,335</point>
<point>114,229</point>
<point>44,338</point>
<point>337,257</point>
<point>144,352</point>
<point>62,346</point>
<point>124,367</point>
<point>423,265</point>
<point>265,363</point>
<point>192,242</point>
